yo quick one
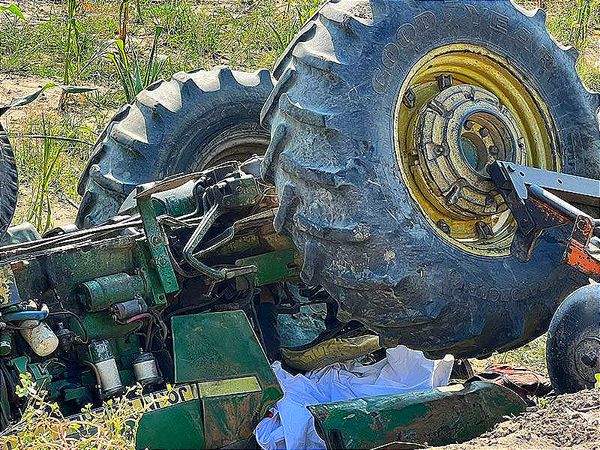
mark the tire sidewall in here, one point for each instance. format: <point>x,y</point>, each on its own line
<point>174,127</point>
<point>343,199</point>
<point>577,316</point>
<point>190,143</point>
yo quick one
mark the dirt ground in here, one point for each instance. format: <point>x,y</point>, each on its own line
<point>566,421</point>
<point>14,86</point>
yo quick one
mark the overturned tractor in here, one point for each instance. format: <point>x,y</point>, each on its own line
<point>394,200</point>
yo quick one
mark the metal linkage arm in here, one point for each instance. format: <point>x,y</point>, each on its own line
<point>540,199</point>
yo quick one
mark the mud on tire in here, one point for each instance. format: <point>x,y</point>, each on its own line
<point>346,205</point>
<point>195,120</point>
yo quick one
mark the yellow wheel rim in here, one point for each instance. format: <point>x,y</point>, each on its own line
<point>460,108</point>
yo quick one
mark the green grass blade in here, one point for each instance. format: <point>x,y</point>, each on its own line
<point>101,52</point>
<point>14,9</point>
<point>151,72</point>
<point>22,101</point>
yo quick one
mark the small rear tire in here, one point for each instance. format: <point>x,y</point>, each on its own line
<point>573,348</point>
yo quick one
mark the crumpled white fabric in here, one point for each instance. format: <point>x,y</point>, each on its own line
<point>291,425</point>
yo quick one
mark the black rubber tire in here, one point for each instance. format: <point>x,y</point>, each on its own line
<point>9,182</point>
<point>175,126</point>
<point>342,198</point>
<point>577,319</point>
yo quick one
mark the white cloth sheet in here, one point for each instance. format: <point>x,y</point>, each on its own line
<point>291,425</point>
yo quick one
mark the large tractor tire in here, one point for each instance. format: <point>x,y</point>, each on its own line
<point>196,120</point>
<point>383,120</point>
<point>9,182</point>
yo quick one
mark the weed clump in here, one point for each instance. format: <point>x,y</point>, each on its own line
<point>44,427</point>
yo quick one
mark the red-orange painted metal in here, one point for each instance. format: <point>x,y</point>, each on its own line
<point>578,253</point>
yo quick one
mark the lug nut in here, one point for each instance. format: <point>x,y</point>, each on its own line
<point>468,125</point>
<point>483,132</point>
<point>444,81</point>
<point>483,230</point>
<point>409,98</point>
<point>493,150</point>
<point>443,226</point>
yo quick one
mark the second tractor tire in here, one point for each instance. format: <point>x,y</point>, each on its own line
<point>194,121</point>
<point>9,182</point>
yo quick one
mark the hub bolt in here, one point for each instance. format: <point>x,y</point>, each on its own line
<point>409,99</point>
<point>443,226</point>
<point>484,231</point>
<point>490,200</point>
<point>444,81</point>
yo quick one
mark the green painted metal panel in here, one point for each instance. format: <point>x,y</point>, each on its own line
<point>433,417</point>
<point>272,267</point>
<point>218,346</point>
<point>220,352</point>
<point>175,427</point>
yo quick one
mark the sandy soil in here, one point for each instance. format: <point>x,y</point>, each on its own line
<point>15,86</point>
<point>567,421</point>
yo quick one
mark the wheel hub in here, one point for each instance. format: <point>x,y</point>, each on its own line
<point>587,358</point>
<point>460,108</point>
<point>459,133</point>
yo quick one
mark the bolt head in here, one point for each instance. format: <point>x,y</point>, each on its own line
<point>409,99</point>
<point>443,226</point>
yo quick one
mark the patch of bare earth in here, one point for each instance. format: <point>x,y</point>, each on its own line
<point>16,86</point>
<point>567,421</point>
